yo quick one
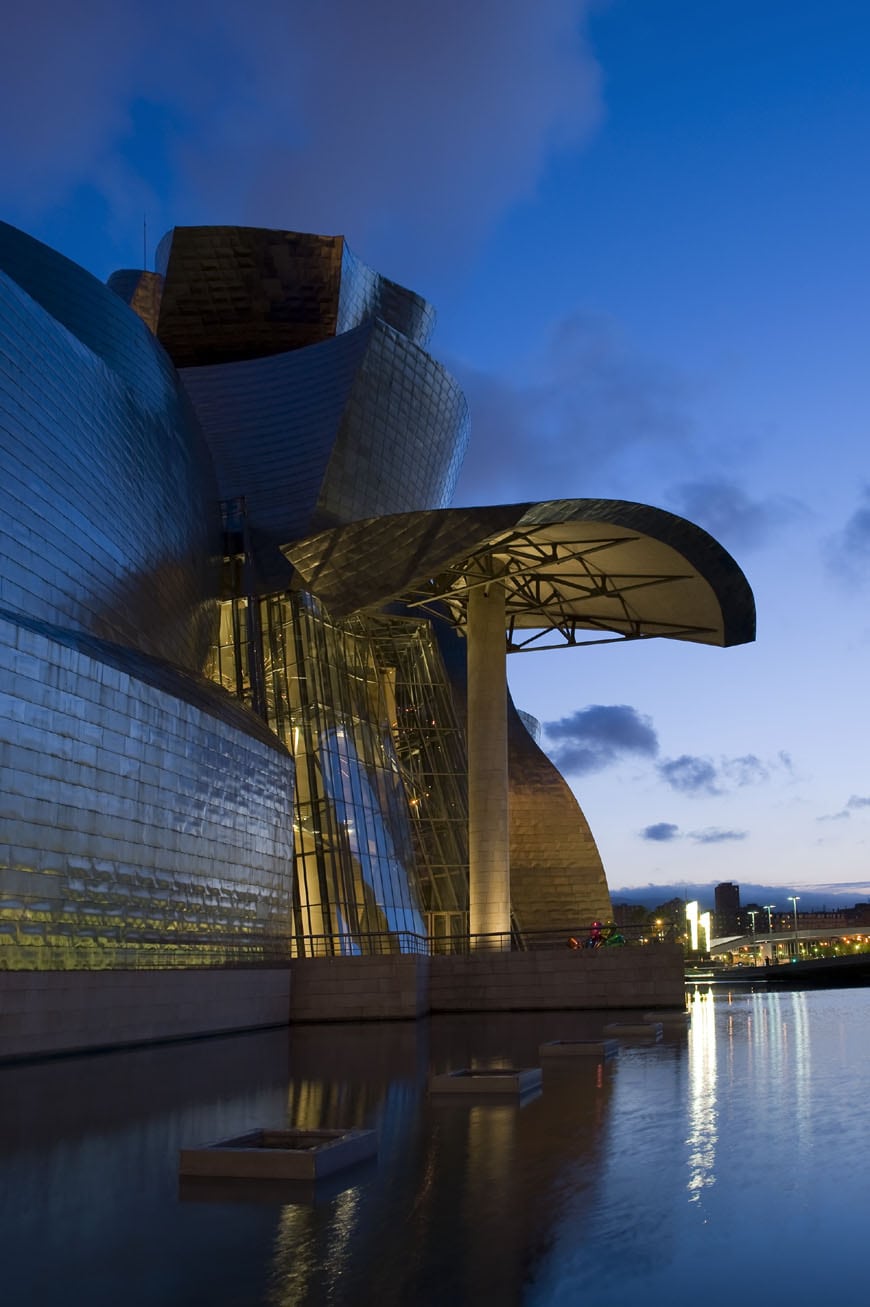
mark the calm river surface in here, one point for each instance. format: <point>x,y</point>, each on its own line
<point>729,1163</point>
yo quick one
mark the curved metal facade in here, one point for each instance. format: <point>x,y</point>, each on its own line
<point>145,814</point>
<point>145,821</point>
<point>110,515</point>
<point>233,293</point>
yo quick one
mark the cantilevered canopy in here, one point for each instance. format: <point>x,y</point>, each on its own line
<point>575,571</point>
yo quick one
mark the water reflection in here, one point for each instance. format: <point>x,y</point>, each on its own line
<point>703,1115</point>
<point>652,1176</point>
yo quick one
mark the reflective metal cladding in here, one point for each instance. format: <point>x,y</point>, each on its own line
<point>232,692</point>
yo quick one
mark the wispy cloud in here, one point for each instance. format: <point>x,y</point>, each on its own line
<point>666,831</point>
<point>847,552</point>
<point>590,399</point>
<point>715,835</point>
<point>695,776</point>
<point>731,514</point>
<point>690,775</point>
<point>854,803</point>
<point>388,121</point>
<point>599,736</point>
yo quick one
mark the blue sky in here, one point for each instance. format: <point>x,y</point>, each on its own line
<point>644,226</point>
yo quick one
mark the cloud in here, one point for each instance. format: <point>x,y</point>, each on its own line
<point>853,804</point>
<point>690,775</point>
<point>847,553</point>
<point>661,832</point>
<point>599,736</point>
<point>723,508</point>
<point>714,835</point>
<point>588,400</point>
<point>388,121</point>
<point>747,770</point>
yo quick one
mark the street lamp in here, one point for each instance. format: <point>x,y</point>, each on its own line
<point>771,948</point>
<point>753,913</point>
<point>793,899</point>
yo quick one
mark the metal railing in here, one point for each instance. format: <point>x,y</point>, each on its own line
<point>382,943</point>
<point>232,951</point>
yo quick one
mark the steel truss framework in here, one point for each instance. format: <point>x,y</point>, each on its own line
<point>552,588</point>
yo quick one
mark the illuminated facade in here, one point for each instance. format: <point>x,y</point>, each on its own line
<point>231,730</point>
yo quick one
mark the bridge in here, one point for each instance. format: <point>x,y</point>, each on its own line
<point>787,943</point>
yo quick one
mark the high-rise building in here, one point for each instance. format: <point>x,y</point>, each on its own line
<point>727,909</point>
<point>244,640</point>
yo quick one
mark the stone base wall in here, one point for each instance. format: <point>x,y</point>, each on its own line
<point>380,989</point>
<point>539,981</point>
<point>360,989</point>
<point>49,1012</point>
<point>46,1012</point>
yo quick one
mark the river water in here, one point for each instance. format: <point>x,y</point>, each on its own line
<point>728,1162</point>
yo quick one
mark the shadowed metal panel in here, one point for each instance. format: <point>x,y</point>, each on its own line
<point>235,293</point>
<point>271,425</point>
<point>109,520</point>
<point>140,290</point>
<point>90,311</point>
<point>362,424</point>
<point>366,294</point>
<point>403,436</point>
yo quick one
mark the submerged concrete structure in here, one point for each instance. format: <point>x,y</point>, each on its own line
<point>239,723</point>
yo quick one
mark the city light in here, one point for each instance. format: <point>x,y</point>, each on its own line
<point>793,899</point>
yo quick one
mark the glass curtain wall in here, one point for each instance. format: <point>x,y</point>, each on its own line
<point>356,887</point>
<point>430,746</point>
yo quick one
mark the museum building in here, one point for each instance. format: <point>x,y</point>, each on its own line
<point>251,660</point>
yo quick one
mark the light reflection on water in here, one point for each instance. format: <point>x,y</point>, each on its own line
<point>729,1158</point>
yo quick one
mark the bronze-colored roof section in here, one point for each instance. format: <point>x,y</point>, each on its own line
<point>236,293</point>
<point>233,293</point>
<point>576,571</point>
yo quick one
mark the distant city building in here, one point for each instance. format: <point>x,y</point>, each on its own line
<point>727,909</point>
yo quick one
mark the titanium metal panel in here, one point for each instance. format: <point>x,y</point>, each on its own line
<point>141,291</point>
<point>234,293</point>
<point>557,877</point>
<point>144,822</point>
<point>271,425</point>
<point>110,521</point>
<point>403,436</point>
<point>365,423</point>
<point>365,294</point>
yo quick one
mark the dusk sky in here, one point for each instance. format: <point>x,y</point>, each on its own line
<point>644,225</point>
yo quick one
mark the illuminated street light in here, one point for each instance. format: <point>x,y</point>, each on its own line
<point>793,899</point>
<point>753,913</point>
<point>768,908</point>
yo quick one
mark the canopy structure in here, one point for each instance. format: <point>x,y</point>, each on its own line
<point>575,571</point>
<point>521,577</point>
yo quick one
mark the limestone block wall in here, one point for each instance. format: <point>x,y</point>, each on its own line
<point>360,989</point>
<point>405,987</point>
<point>46,1012</point>
<point>537,981</point>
